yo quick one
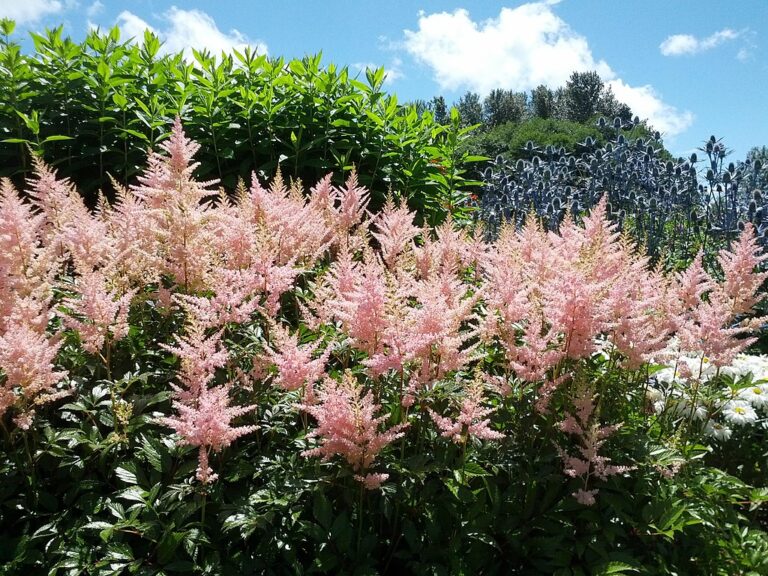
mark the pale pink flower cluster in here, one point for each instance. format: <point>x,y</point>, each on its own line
<point>347,426</point>
<point>415,304</point>
<point>472,421</point>
<point>28,262</point>
<point>705,314</point>
<point>590,437</point>
<point>99,314</point>
<point>204,414</point>
<point>296,369</point>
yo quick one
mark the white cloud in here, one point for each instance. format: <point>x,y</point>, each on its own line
<point>94,9</point>
<point>646,103</point>
<point>686,44</point>
<point>187,29</point>
<point>26,11</point>
<point>520,49</point>
<point>131,26</point>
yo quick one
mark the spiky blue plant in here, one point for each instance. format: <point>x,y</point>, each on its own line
<point>659,202</point>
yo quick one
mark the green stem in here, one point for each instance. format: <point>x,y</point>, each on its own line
<point>360,508</point>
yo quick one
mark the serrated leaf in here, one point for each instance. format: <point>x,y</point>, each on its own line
<point>127,476</point>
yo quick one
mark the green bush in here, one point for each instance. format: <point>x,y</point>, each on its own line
<point>93,109</point>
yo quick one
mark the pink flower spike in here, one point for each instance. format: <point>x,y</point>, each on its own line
<point>347,424</point>
<point>372,481</point>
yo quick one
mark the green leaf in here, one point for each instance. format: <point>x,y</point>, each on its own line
<point>126,475</point>
<point>167,546</point>
<point>322,511</point>
<point>615,568</point>
<point>57,138</point>
<point>473,469</point>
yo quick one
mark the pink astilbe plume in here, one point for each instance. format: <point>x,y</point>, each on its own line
<point>590,436</point>
<point>98,314</point>
<point>395,231</point>
<point>297,231</point>
<point>27,358</point>
<point>200,355</point>
<point>296,369</point>
<point>693,283</point>
<point>179,214</point>
<point>204,414</point>
<point>353,200</point>
<point>207,423</point>
<point>131,226</point>
<point>706,310</point>
<point>639,316</point>
<point>571,306</point>
<point>234,300</point>
<point>707,329</point>
<point>438,338</point>
<point>741,286</point>
<point>27,266</point>
<point>347,426</point>
<point>57,200</point>
<point>362,308</point>
<point>472,420</point>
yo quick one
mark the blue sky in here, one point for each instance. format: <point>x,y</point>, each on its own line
<point>692,67</point>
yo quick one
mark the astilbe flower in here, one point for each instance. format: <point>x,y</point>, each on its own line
<point>296,369</point>
<point>706,310</point>
<point>590,436</point>
<point>450,250</point>
<point>181,220</point>
<point>638,313</point>
<point>472,420</point>
<point>436,339</point>
<point>98,314</point>
<point>353,201</point>
<point>27,358</point>
<point>362,307</point>
<point>56,199</point>
<point>707,328</point>
<point>201,354</point>
<point>250,259</point>
<point>207,423</point>
<point>136,256</point>
<point>742,282</point>
<point>205,415</point>
<point>27,266</point>
<point>347,426</point>
<point>298,232</point>
<point>234,300</point>
<point>395,231</point>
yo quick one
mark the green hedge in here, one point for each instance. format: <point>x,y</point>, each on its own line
<point>93,109</point>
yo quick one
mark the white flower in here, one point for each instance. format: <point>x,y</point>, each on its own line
<point>739,412</point>
<point>745,364</point>
<point>756,395</point>
<point>666,376</point>
<point>717,431</point>
<point>683,407</point>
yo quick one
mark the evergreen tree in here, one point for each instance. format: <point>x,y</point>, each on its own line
<point>582,93</point>
<point>470,109</point>
<point>542,102</point>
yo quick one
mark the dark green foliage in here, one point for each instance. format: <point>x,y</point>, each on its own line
<point>542,102</point>
<point>503,106</point>
<point>80,496</point>
<point>470,108</point>
<point>582,95</point>
<point>511,139</point>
